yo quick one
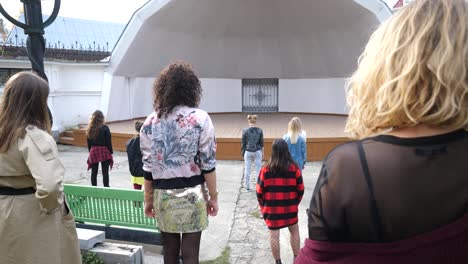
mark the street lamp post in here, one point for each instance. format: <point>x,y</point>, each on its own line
<point>33,26</point>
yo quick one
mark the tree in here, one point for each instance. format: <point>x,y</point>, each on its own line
<point>3,30</point>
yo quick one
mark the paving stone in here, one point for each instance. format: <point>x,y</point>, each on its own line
<point>239,234</point>
<point>119,253</point>
<point>88,238</point>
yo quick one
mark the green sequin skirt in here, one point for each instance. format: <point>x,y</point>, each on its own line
<point>181,210</point>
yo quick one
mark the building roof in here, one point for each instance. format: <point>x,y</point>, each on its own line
<point>74,33</point>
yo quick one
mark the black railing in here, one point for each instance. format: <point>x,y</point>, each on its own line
<point>90,52</point>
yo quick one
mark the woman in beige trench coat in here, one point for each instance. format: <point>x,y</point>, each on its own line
<point>36,226</point>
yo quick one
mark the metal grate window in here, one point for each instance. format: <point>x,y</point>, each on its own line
<point>260,95</point>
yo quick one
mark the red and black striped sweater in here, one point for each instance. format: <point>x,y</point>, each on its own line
<point>279,196</point>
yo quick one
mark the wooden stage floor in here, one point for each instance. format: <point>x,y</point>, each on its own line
<point>324,132</point>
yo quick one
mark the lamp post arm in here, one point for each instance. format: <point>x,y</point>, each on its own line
<point>11,19</point>
<point>54,14</point>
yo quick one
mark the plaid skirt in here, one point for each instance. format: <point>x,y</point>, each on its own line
<point>99,154</point>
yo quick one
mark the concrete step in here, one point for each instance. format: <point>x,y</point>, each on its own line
<point>66,140</point>
<point>89,238</point>
<point>119,253</point>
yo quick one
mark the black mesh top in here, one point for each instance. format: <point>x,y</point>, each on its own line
<point>412,186</point>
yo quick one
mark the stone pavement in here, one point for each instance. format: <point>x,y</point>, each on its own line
<point>237,225</point>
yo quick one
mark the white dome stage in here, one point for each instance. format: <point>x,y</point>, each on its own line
<point>236,39</point>
<point>309,48</point>
<point>271,56</point>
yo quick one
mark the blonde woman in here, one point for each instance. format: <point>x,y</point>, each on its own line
<point>296,142</point>
<point>36,225</point>
<point>400,193</point>
<point>252,148</point>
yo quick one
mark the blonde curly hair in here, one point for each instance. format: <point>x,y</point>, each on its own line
<point>414,70</point>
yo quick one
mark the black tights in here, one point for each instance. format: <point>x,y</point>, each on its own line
<point>172,247</point>
<point>105,173</point>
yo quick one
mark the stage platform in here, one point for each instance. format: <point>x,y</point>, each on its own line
<point>324,132</point>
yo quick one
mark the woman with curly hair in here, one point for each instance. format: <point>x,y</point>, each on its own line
<point>179,148</point>
<point>100,148</point>
<point>400,193</point>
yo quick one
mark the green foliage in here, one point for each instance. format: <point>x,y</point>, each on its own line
<point>255,214</point>
<point>223,259</point>
<point>91,258</point>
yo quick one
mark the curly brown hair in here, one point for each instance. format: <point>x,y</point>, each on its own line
<point>176,85</point>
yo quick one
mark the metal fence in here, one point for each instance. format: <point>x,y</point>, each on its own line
<point>90,52</point>
<point>260,95</point>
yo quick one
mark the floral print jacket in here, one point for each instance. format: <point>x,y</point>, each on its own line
<point>182,144</point>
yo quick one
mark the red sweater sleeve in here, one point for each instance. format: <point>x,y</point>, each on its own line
<point>259,187</point>
<point>299,185</point>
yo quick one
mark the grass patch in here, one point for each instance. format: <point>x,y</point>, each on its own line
<point>255,214</point>
<point>223,259</point>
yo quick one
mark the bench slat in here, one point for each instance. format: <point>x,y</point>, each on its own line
<point>109,206</point>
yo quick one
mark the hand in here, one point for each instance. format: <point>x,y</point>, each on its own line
<point>212,207</point>
<point>149,209</point>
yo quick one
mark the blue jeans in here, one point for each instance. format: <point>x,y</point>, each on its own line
<point>257,158</point>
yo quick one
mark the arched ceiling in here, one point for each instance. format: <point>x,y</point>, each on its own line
<point>285,39</point>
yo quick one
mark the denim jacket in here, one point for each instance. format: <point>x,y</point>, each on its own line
<point>298,150</point>
<point>252,139</point>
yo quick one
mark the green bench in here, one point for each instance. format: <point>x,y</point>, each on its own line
<point>118,212</point>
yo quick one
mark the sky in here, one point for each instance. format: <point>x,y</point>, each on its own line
<point>118,11</point>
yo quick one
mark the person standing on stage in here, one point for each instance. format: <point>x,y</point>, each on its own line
<point>252,149</point>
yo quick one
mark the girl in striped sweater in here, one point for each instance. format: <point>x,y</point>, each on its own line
<point>279,192</point>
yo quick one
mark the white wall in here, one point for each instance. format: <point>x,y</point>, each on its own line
<point>221,95</point>
<point>75,89</point>
<point>115,97</point>
<point>141,97</point>
<point>80,77</point>
<point>70,110</point>
<point>75,92</point>
<point>126,98</point>
<point>312,96</point>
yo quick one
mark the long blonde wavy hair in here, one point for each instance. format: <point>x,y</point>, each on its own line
<point>294,129</point>
<point>414,70</point>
